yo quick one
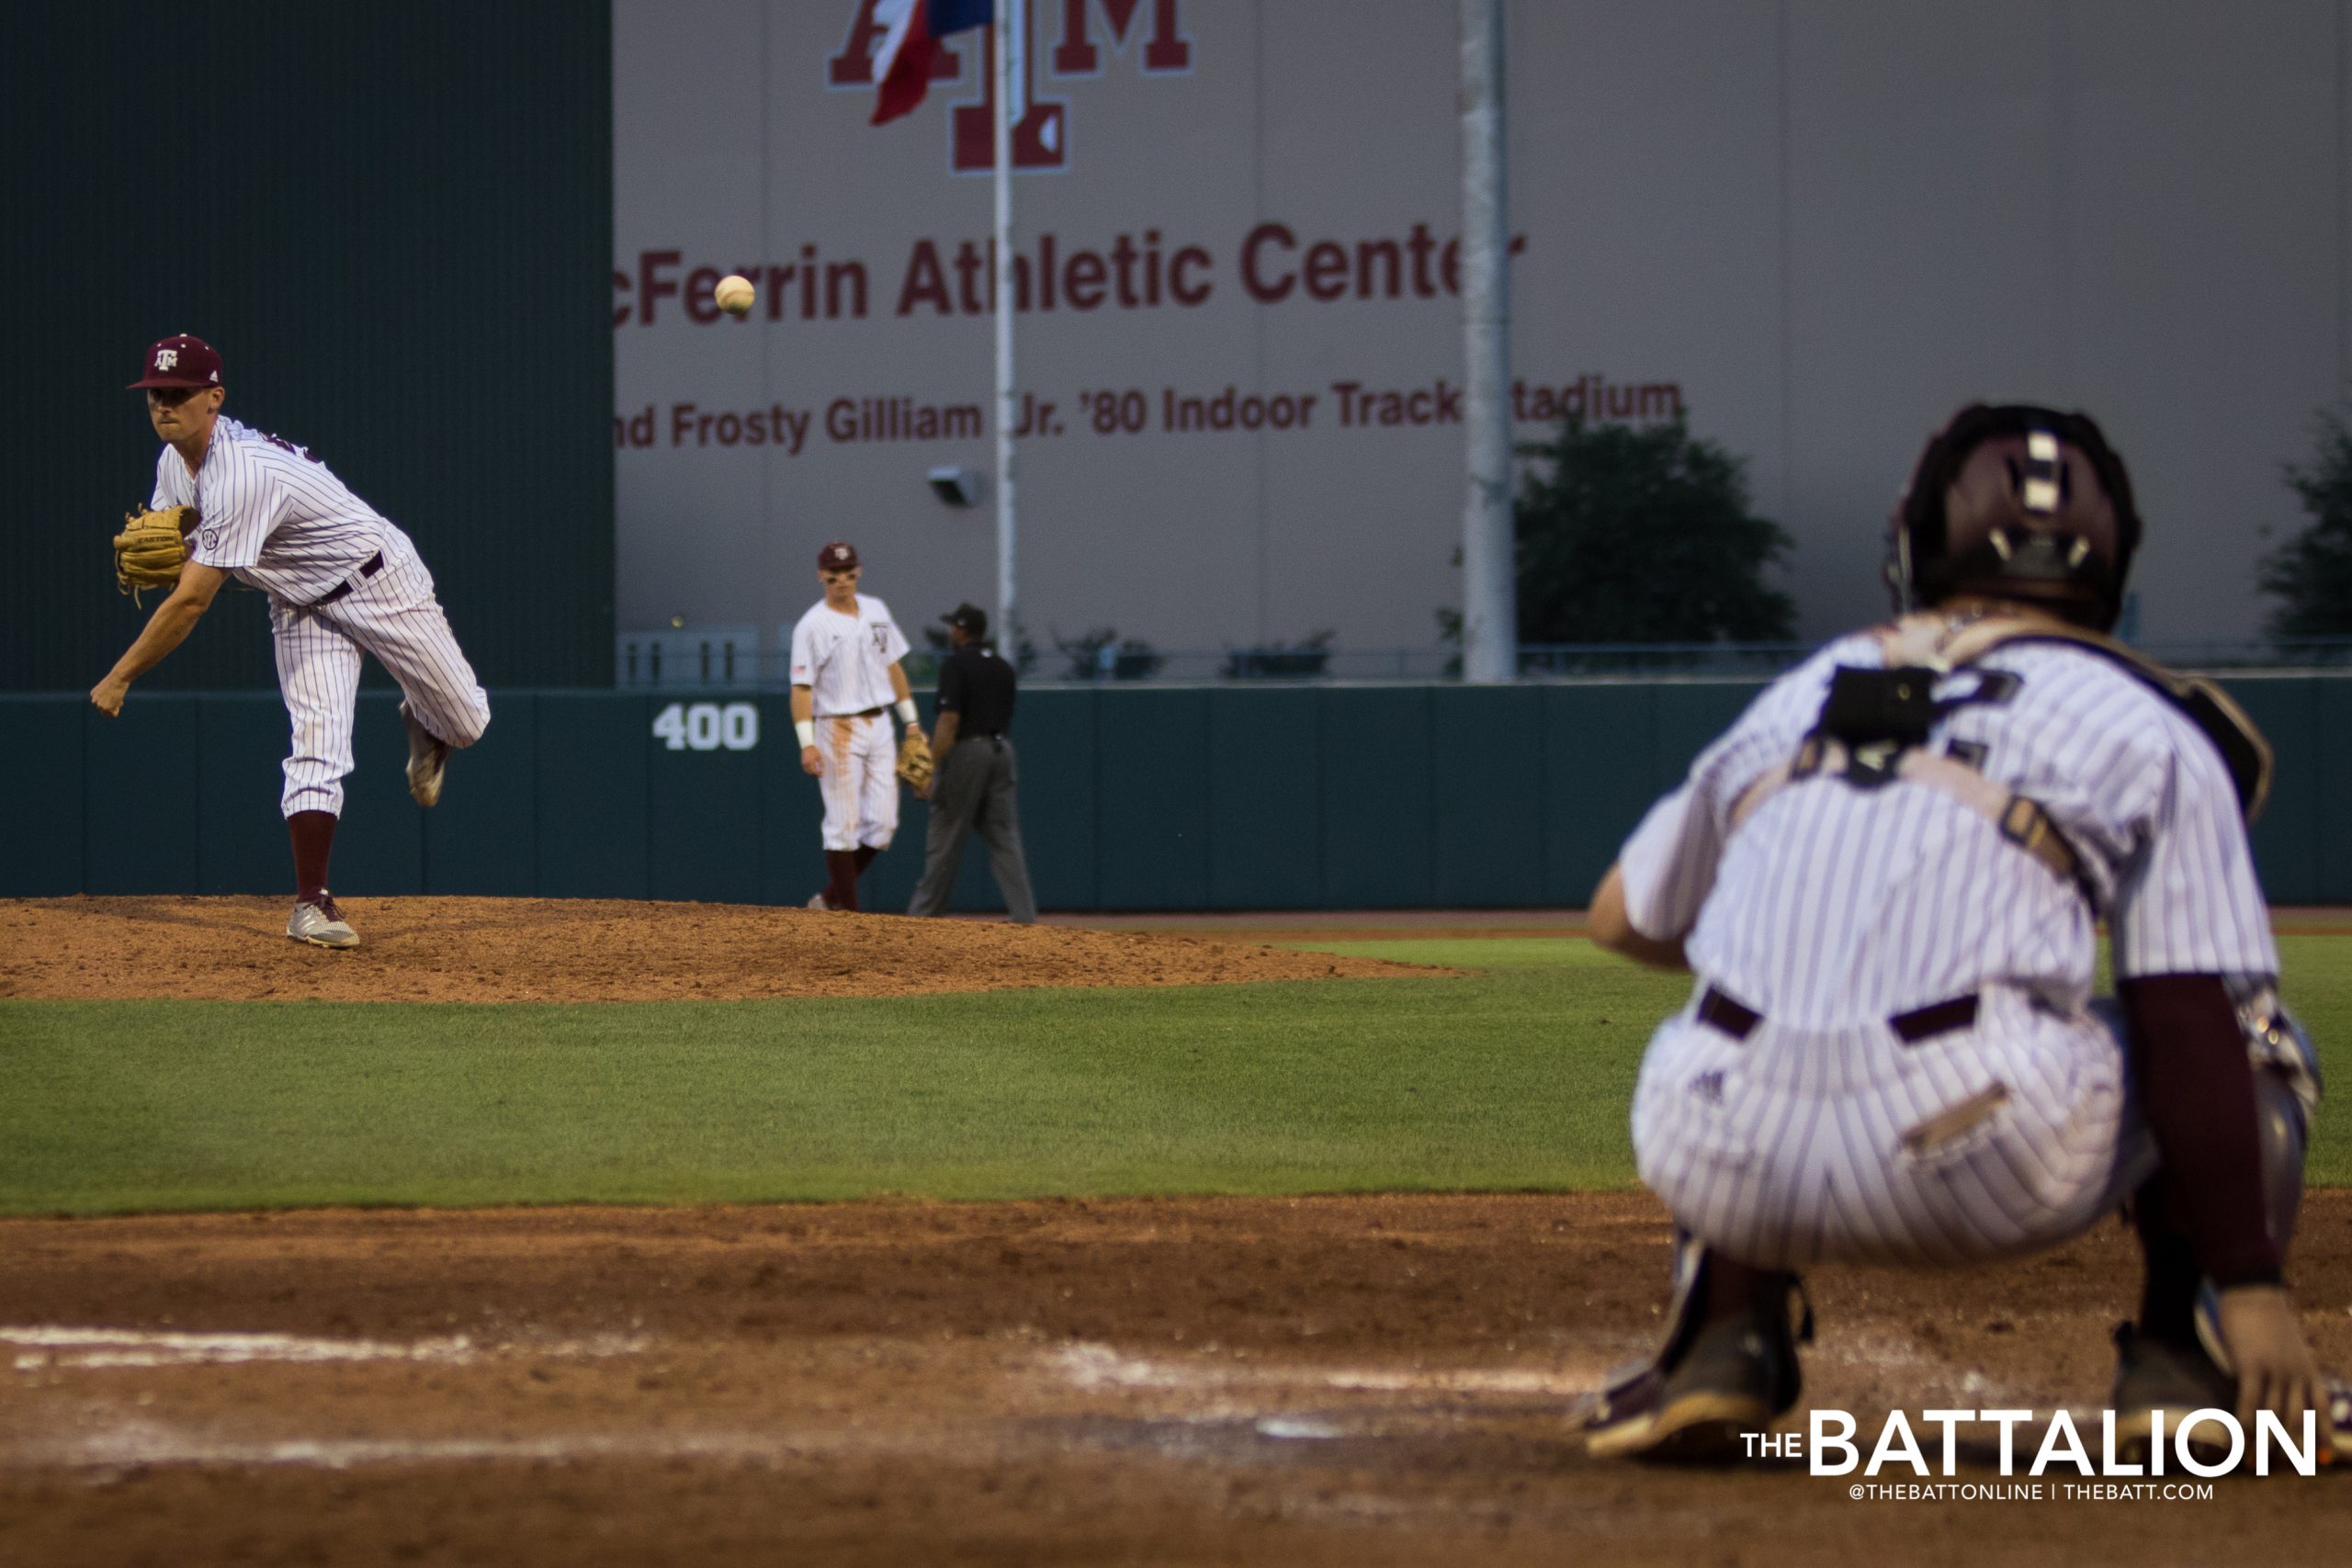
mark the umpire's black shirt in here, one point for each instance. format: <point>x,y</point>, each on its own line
<point>978,685</point>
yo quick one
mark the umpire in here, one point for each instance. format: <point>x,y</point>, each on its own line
<point>976,772</point>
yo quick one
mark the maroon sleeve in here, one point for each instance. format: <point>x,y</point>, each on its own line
<point>2197,1088</point>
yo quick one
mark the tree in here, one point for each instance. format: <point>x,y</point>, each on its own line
<point>2310,574</point>
<point>1644,536</point>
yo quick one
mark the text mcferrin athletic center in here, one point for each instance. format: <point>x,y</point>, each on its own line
<point>1274,266</point>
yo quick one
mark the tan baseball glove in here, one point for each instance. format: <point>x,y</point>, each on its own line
<point>152,548</point>
<point>914,757</point>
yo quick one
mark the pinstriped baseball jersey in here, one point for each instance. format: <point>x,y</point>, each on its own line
<point>271,514</point>
<point>845,660</point>
<point>1835,905</point>
<point>280,520</point>
<point>1821,1131</point>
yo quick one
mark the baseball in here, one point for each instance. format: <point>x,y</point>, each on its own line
<point>734,294</point>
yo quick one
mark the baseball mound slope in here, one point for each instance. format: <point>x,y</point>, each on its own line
<point>587,950</point>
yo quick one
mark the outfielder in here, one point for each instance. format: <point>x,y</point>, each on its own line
<point>1887,877</point>
<point>846,683</point>
<point>231,501</point>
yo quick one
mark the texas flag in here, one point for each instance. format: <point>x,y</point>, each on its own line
<point>902,65</point>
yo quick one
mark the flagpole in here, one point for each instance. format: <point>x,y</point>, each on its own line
<point>1011,33</point>
<point>1490,573</point>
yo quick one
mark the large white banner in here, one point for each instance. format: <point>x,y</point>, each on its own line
<point>1813,230</point>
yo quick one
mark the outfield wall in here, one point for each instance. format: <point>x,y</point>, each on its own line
<point>1184,798</point>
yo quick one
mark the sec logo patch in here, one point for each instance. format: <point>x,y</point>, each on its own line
<point>210,537</point>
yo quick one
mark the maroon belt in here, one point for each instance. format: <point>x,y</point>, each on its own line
<point>861,713</point>
<point>1719,1013</point>
<point>375,564</point>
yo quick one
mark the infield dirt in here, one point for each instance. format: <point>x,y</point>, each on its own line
<point>1299,1383</point>
<point>589,950</point>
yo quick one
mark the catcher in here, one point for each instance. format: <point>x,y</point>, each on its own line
<point>846,683</point>
<point>342,580</point>
<point>1888,877</point>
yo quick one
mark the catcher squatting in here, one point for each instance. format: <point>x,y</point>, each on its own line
<point>342,580</point>
<point>1887,876</point>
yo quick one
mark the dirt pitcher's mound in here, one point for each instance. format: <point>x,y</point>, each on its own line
<point>566,950</point>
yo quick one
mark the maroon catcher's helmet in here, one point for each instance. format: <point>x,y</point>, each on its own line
<point>2017,502</point>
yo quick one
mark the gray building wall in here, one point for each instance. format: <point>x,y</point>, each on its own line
<point>1824,223</point>
<point>393,223</point>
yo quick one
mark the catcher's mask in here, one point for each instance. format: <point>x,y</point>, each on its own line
<point>2017,502</point>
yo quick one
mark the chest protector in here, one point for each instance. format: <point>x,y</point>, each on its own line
<point>1874,728</point>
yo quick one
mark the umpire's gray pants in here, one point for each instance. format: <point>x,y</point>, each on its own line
<point>975,790</point>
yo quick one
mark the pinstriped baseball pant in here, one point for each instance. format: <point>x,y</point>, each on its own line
<point>395,616</point>
<point>1792,1147</point>
<point>860,783</point>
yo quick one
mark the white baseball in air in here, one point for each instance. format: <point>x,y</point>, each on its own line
<point>734,294</point>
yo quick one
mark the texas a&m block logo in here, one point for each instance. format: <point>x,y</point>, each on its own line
<point>1040,136</point>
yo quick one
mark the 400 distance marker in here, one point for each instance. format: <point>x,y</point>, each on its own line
<point>707,726</point>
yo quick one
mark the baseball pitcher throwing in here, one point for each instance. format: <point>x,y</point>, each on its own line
<point>1887,876</point>
<point>342,580</point>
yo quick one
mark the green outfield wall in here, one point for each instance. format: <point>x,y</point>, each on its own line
<point>395,222</point>
<point>1184,798</point>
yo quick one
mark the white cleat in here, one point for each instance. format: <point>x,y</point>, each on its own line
<point>427,756</point>
<point>321,924</point>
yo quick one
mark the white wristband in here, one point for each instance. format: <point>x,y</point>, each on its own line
<point>907,711</point>
<point>807,730</point>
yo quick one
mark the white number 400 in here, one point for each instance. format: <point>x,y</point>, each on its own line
<point>706,727</point>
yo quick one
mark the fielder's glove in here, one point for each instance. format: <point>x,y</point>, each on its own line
<point>152,548</point>
<point>914,758</point>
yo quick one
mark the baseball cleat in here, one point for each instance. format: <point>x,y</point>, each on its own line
<point>427,756</point>
<point>1732,1382</point>
<point>819,901</point>
<point>321,924</point>
<point>2154,1375</point>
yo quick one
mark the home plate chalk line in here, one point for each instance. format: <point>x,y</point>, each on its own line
<point>1264,1394</point>
<point>45,1346</point>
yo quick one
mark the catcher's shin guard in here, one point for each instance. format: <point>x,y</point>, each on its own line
<point>2287,1089</point>
<point>1714,1381</point>
<point>2151,1374</point>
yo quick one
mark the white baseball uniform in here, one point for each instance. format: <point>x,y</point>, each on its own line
<point>1836,916</point>
<point>845,660</point>
<point>342,580</point>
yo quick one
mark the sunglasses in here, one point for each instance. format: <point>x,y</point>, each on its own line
<point>171,397</point>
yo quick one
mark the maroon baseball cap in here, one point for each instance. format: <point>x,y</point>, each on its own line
<point>839,555</point>
<point>181,361</point>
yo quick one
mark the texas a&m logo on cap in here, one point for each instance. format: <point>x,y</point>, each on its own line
<point>1040,138</point>
<point>181,360</point>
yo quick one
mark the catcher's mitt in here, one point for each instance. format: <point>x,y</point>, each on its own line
<point>152,548</point>
<point>914,757</point>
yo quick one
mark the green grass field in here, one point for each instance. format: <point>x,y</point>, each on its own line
<point>1516,1076</point>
